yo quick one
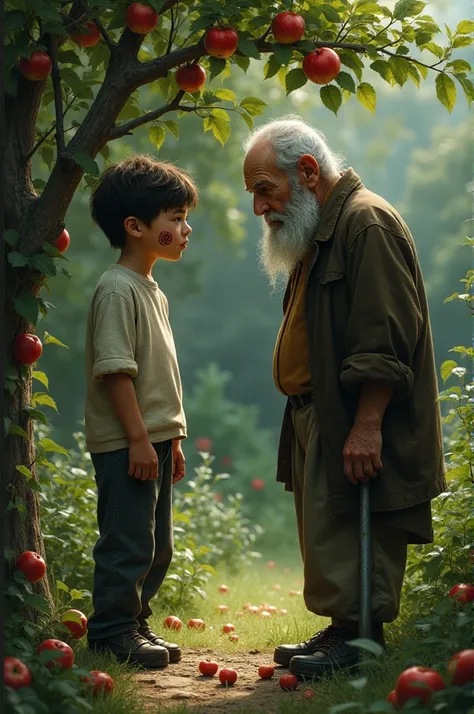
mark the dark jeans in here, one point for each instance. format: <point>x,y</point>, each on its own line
<point>135,546</point>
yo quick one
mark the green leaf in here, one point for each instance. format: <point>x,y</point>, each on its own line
<point>271,67</point>
<point>44,399</point>
<point>331,97</point>
<point>41,377</point>
<point>208,569</point>
<point>353,61</point>
<point>399,68</point>
<point>76,595</point>
<point>37,602</point>
<point>447,369</point>
<point>383,69</point>
<point>367,96</point>
<point>36,414</point>
<point>219,126</point>
<point>414,74</point>
<point>50,340</point>
<point>345,81</point>
<point>446,91</point>
<point>27,306</point>
<point>435,49</point>
<point>247,119</point>
<point>157,135</point>
<point>34,486</point>
<point>253,105</point>
<point>18,431</point>
<point>248,48</point>
<point>329,12</point>
<point>227,95</point>
<point>17,260</point>
<point>459,65</point>
<point>368,646</point>
<point>69,57</point>
<point>407,8</point>
<point>61,586</point>
<point>86,163</point>
<point>216,66</point>
<point>463,41</point>
<point>283,54</point>
<point>44,264</point>
<point>242,62</point>
<point>24,470</point>
<point>295,79</point>
<point>172,127</point>
<point>468,87</point>
<point>465,27</point>
<point>11,237</point>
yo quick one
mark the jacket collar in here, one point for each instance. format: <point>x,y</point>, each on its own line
<point>332,208</point>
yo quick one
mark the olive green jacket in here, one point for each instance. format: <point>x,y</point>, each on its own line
<point>367,319</point>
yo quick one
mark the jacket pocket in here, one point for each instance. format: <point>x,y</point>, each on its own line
<point>331,276</point>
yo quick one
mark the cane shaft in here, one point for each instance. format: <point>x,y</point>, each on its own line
<point>365,618</point>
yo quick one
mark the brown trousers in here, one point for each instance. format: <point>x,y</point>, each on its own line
<point>330,546</point>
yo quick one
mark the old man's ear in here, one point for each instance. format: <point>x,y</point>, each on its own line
<point>308,170</point>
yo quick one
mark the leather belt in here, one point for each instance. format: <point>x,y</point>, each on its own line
<point>300,400</point>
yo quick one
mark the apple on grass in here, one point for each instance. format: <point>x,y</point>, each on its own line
<point>417,682</point>
<point>99,682</point>
<point>37,67</point>
<point>196,624</point>
<point>172,623</point>
<point>288,27</point>
<point>461,668</point>
<point>322,65</point>
<point>62,655</point>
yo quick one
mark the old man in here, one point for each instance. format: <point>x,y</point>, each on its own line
<point>354,358</point>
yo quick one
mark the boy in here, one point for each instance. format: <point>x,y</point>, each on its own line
<point>134,415</point>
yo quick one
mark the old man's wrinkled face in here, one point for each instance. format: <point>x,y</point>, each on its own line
<point>290,213</point>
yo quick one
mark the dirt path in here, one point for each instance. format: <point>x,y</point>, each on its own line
<point>182,684</point>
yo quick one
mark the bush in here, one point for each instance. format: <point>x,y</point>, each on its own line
<point>207,533</point>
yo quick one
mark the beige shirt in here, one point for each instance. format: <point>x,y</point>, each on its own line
<point>128,331</point>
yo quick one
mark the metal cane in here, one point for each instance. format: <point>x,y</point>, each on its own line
<point>365,614</point>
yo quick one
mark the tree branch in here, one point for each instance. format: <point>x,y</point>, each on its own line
<point>43,138</point>
<point>170,39</point>
<point>168,5</point>
<point>58,101</point>
<point>412,59</point>
<point>118,131</point>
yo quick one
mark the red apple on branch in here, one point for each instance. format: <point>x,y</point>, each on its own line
<point>322,66</point>
<point>191,77</point>
<point>288,27</point>
<point>88,35</point>
<point>63,241</point>
<point>27,348</point>
<point>37,68</point>
<point>141,18</point>
<point>221,42</point>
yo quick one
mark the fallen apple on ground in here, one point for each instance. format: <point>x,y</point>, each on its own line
<point>226,629</point>
<point>288,682</point>
<point>196,624</point>
<point>266,672</point>
<point>208,668</point>
<point>99,682</point>
<point>461,668</point>
<point>234,637</point>
<point>227,676</point>
<point>172,623</point>
<point>463,593</point>
<point>417,682</point>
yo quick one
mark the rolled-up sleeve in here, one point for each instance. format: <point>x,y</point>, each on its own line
<point>385,318</point>
<point>114,336</point>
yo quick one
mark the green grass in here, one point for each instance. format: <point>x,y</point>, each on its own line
<point>256,587</point>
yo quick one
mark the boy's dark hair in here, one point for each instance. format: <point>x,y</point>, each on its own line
<point>140,187</point>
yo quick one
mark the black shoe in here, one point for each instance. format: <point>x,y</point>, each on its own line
<point>284,653</point>
<point>132,648</point>
<point>173,650</point>
<point>333,653</point>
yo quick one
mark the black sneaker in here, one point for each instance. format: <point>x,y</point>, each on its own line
<point>173,650</point>
<point>333,653</point>
<point>132,648</point>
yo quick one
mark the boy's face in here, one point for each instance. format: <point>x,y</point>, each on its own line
<point>166,238</point>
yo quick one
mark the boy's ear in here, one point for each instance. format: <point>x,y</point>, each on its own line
<point>132,226</point>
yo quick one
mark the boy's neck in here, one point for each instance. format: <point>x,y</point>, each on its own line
<point>138,263</point>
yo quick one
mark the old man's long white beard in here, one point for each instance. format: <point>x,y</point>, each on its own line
<point>283,246</point>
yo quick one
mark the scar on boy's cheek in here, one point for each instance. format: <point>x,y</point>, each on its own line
<point>165,238</point>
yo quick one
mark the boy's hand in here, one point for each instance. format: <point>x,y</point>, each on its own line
<point>179,462</point>
<point>143,460</point>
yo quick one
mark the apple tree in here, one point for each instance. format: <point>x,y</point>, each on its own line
<point>73,72</point>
